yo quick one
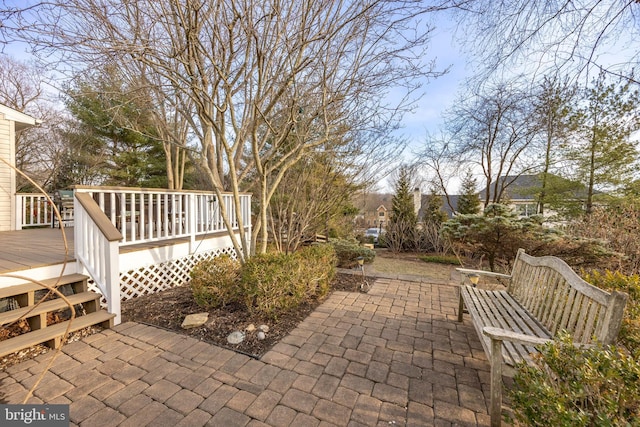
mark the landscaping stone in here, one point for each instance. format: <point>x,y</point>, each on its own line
<point>195,320</point>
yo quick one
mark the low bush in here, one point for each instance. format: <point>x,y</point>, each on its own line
<point>596,386</point>
<point>348,252</point>
<point>609,280</point>
<point>268,284</point>
<point>319,261</point>
<point>275,283</point>
<point>214,282</point>
<point>440,259</point>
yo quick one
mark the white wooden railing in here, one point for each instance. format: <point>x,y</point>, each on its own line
<point>109,217</point>
<point>32,210</point>
<point>97,250</point>
<point>150,215</point>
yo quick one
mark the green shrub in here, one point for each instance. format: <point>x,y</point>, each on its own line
<point>348,252</point>
<point>630,330</point>
<point>270,283</point>
<point>275,283</point>
<point>597,386</point>
<point>441,259</point>
<point>319,262</point>
<point>214,281</point>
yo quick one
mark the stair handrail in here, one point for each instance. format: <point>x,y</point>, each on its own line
<point>96,246</point>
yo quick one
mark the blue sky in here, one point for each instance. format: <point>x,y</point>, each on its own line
<point>440,93</point>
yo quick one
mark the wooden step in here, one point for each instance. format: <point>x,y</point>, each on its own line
<point>50,306</point>
<point>31,287</point>
<point>52,335</point>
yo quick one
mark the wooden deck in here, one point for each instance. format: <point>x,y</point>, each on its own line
<point>25,249</point>
<point>39,247</point>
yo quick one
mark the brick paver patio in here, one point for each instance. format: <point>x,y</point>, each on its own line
<point>394,357</point>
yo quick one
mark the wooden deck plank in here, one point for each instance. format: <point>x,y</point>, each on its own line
<point>37,247</point>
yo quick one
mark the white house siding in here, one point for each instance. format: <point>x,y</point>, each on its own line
<point>7,175</point>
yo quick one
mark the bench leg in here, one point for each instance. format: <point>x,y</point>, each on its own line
<point>495,409</point>
<point>460,305</point>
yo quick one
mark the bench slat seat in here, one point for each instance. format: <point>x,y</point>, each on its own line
<point>543,297</point>
<point>499,310</point>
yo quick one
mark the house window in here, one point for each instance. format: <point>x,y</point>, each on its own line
<point>527,209</point>
<point>381,213</point>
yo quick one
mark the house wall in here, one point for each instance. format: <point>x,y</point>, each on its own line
<point>7,174</point>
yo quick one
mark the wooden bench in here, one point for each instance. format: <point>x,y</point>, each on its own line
<point>544,296</point>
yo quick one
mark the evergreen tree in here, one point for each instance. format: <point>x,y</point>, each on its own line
<point>402,206</point>
<point>401,232</point>
<point>123,148</point>
<point>433,213</point>
<point>469,202</point>
<point>604,156</point>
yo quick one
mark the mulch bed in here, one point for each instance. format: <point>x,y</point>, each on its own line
<point>168,309</point>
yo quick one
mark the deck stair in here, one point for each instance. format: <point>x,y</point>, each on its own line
<point>19,302</point>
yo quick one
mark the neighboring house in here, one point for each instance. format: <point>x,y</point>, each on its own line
<point>522,192</point>
<point>446,206</point>
<point>375,209</point>
<point>11,121</point>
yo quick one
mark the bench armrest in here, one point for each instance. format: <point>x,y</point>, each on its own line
<point>483,273</point>
<point>505,335</point>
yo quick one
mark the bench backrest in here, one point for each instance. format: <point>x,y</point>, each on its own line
<point>550,290</point>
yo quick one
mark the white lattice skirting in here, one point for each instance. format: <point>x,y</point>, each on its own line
<point>159,277</point>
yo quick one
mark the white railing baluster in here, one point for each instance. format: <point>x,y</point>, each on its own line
<point>32,210</point>
<point>147,215</point>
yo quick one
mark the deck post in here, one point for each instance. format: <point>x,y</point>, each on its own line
<point>191,221</point>
<point>112,273</point>
<point>19,211</point>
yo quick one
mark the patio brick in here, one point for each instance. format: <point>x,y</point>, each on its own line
<point>196,418</point>
<point>394,356</point>
<point>229,417</point>
<point>135,404</point>
<point>263,405</point>
<point>218,399</point>
<point>453,413</point>
<point>391,394</point>
<point>106,390</point>
<point>129,391</point>
<point>207,386</point>
<point>83,408</point>
<point>162,390</point>
<point>331,412</point>
<point>241,401</point>
<point>281,416</point>
<point>104,417</point>
<point>299,400</point>
<point>326,386</point>
<point>184,401</point>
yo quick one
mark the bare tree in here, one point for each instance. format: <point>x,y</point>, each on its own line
<point>38,149</point>
<point>492,129</point>
<point>547,35</point>
<point>260,83</point>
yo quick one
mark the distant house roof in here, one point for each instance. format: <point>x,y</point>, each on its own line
<point>22,120</point>
<point>526,187</point>
<point>453,199</point>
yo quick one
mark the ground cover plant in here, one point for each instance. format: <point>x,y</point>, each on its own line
<point>572,386</point>
<point>349,250</point>
<point>597,386</point>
